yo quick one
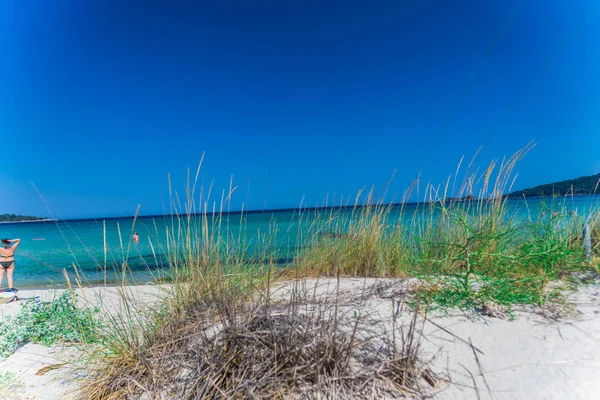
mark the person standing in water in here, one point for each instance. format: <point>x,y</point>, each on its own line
<point>7,259</point>
<point>136,237</point>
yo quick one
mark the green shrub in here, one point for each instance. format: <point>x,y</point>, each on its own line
<point>47,323</point>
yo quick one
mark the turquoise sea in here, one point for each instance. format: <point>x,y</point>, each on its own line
<point>82,242</point>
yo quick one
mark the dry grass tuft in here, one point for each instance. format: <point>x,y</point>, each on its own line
<point>297,347</point>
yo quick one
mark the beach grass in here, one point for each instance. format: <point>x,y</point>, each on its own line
<point>475,247</point>
<point>468,250</point>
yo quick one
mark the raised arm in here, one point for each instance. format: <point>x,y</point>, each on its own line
<point>16,243</point>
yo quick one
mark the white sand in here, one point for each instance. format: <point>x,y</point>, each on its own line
<point>531,357</point>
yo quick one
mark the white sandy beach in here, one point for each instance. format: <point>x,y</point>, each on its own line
<point>531,357</point>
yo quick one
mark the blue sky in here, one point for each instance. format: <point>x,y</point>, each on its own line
<point>100,100</point>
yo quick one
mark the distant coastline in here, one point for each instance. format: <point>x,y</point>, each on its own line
<point>584,186</point>
<point>308,209</point>
<point>25,221</point>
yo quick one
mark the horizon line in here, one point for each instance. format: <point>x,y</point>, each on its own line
<point>278,210</point>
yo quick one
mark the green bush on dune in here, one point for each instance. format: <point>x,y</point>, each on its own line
<point>48,323</point>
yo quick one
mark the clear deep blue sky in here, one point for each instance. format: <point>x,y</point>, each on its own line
<point>100,100</point>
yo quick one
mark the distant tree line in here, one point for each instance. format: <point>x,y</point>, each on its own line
<point>581,185</point>
<point>16,217</point>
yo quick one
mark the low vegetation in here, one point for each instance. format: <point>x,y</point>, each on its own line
<point>47,323</point>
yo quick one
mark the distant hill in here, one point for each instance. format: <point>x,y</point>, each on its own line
<point>581,185</point>
<point>18,218</point>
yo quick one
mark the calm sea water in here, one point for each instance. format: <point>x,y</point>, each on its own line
<point>81,242</point>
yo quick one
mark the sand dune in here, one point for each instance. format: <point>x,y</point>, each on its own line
<point>531,357</point>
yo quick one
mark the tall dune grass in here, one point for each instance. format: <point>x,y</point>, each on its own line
<point>470,239</point>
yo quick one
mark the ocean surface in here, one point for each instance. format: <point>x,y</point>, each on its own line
<point>98,247</point>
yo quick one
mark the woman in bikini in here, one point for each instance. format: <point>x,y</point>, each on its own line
<point>7,259</point>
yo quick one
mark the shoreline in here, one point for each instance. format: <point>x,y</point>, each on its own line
<point>89,285</point>
<point>92,296</point>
